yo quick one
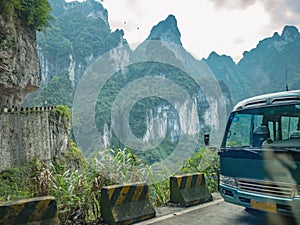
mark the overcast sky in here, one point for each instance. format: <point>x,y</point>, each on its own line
<point>227,27</point>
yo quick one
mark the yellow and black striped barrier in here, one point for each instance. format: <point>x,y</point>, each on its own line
<point>189,189</point>
<point>126,204</point>
<point>41,210</point>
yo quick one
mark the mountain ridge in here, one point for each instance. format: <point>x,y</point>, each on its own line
<point>244,77</point>
<point>62,52</point>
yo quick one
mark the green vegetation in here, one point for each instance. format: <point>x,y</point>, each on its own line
<point>33,13</point>
<point>64,111</point>
<point>77,193</point>
<point>17,183</point>
<point>76,187</point>
<point>205,161</point>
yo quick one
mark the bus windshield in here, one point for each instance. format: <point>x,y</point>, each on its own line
<point>276,126</point>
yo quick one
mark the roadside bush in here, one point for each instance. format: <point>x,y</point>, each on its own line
<point>205,161</point>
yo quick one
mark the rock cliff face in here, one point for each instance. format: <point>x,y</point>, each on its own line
<point>34,134</point>
<point>19,64</point>
<point>79,34</point>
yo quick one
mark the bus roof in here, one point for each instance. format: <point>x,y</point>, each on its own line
<point>277,98</point>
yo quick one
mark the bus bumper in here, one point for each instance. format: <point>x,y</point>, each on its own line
<point>283,206</point>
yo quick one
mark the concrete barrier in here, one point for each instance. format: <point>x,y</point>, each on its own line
<point>126,204</point>
<point>34,211</point>
<point>189,189</point>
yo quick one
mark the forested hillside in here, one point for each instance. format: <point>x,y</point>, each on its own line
<point>79,33</point>
<point>273,63</point>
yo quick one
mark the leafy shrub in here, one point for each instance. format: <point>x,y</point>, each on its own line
<point>16,183</point>
<point>205,161</point>
<point>34,13</point>
<point>160,193</point>
<point>64,111</point>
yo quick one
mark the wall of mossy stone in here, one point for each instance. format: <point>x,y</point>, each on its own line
<point>31,134</point>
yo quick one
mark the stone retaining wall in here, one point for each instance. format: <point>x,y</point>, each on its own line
<point>31,133</point>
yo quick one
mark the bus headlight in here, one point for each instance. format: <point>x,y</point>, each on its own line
<point>228,181</point>
<point>297,194</point>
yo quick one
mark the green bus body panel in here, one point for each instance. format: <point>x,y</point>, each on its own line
<point>245,168</point>
<point>280,168</point>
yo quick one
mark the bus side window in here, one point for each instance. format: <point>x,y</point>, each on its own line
<point>289,127</point>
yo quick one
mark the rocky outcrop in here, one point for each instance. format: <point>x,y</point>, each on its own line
<point>19,64</point>
<point>166,30</point>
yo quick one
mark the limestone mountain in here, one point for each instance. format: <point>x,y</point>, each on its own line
<point>267,68</point>
<point>78,35</point>
<point>156,115</point>
<point>274,59</point>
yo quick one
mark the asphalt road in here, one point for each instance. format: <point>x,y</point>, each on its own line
<point>219,212</point>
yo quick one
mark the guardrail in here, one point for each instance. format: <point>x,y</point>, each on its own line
<point>27,109</point>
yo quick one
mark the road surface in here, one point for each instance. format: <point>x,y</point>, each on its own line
<point>219,212</point>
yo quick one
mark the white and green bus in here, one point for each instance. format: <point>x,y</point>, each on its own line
<point>260,154</point>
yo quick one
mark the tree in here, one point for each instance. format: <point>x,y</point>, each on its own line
<point>33,13</point>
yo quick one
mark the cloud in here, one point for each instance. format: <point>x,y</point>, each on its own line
<point>239,4</point>
<point>238,41</point>
<point>280,11</point>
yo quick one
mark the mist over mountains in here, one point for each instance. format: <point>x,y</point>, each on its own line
<point>81,33</point>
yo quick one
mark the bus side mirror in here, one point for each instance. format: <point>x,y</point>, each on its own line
<point>206,139</point>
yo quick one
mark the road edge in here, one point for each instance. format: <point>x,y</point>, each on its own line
<point>180,212</point>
